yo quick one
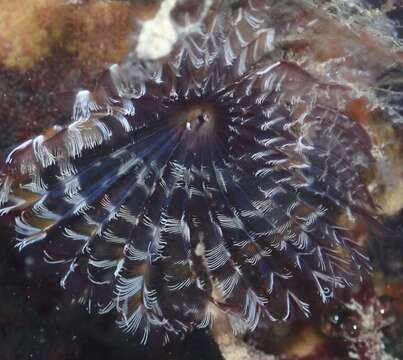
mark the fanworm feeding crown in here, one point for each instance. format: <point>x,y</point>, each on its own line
<point>209,180</point>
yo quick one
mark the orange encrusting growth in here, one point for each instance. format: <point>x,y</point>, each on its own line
<point>38,29</point>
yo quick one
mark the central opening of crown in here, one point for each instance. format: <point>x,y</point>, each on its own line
<point>199,118</point>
